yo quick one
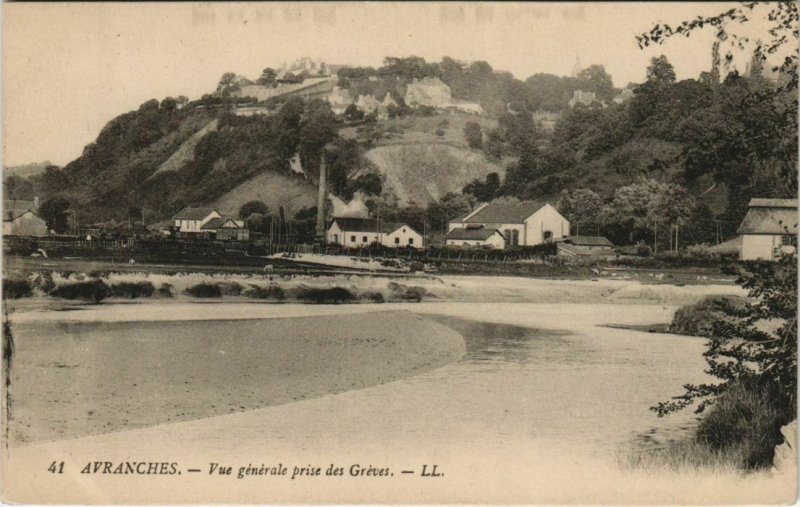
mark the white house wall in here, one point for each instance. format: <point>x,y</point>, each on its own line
<point>26,224</point>
<point>195,225</point>
<point>403,234</point>
<point>546,218</point>
<point>495,241</point>
<point>759,246</point>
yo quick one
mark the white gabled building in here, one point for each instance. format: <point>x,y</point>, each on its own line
<point>400,235</point>
<point>189,222</point>
<point>363,232</point>
<point>523,223</point>
<point>769,228</point>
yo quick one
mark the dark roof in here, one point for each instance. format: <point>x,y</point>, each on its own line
<point>473,234</point>
<point>505,213</point>
<point>17,204</point>
<point>9,215</point>
<point>214,223</point>
<point>390,227</point>
<point>193,213</point>
<point>356,224</point>
<point>230,223</point>
<point>773,203</point>
<point>588,241</point>
<point>769,220</point>
<point>349,224</point>
<point>727,247</point>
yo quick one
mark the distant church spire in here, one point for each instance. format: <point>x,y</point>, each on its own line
<point>577,68</point>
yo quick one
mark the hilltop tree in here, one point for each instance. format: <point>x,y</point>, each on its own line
<point>318,127</point>
<point>268,77</point>
<point>661,71</point>
<point>253,207</point>
<point>473,135</point>
<point>596,79</point>
<point>484,191</point>
<point>448,207</point>
<point>226,84</point>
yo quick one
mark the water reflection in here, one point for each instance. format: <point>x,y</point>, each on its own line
<point>489,343</point>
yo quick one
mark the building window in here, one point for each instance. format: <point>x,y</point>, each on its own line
<point>364,239</point>
<point>410,241</point>
<point>786,240</point>
<point>396,241</point>
<point>515,237</point>
<point>548,236</point>
<point>352,239</point>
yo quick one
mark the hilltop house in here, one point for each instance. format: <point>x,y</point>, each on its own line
<point>625,95</point>
<point>545,121</point>
<point>523,223</point>
<point>769,228</point>
<point>430,92</point>
<point>475,236</point>
<point>363,232</point>
<point>582,97</point>
<point>339,98</point>
<point>367,103</point>
<point>383,108</point>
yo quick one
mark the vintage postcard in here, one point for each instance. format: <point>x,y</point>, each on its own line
<point>400,253</point>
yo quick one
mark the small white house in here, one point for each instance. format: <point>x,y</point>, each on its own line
<point>190,221</point>
<point>401,235</point>
<point>475,237</point>
<point>23,222</point>
<point>769,228</point>
<point>363,232</point>
<point>523,223</point>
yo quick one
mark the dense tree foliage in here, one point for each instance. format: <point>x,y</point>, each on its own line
<point>253,207</point>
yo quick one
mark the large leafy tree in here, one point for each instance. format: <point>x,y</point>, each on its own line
<point>581,207</point>
<point>742,351</point>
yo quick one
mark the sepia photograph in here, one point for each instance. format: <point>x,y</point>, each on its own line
<point>399,253</point>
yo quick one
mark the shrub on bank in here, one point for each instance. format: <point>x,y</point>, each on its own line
<point>43,281</point>
<point>739,432</point>
<point>374,297</point>
<point>329,295</point>
<point>230,288</point>
<point>93,290</point>
<point>15,289</point>
<point>165,291</point>
<point>699,319</point>
<point>204,290</point>
<point>132,290</point>
<point>747,419</point>
<point>271,292</point>
<point>406,293</point>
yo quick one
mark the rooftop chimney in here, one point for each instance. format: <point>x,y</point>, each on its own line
<point>321,198</point>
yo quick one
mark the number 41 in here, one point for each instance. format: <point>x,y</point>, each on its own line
<point>57,467</point>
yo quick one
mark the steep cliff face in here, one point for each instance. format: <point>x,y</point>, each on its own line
<point>420,172</point>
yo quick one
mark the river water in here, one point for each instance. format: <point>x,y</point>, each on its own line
<point>542,405</point>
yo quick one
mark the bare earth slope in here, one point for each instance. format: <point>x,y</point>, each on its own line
<point>424,171</point>
<point>273,188</point>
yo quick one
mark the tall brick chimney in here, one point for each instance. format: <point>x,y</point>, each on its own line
<point>322,197</point>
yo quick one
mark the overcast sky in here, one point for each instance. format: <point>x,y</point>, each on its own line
<point>69,68</point>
